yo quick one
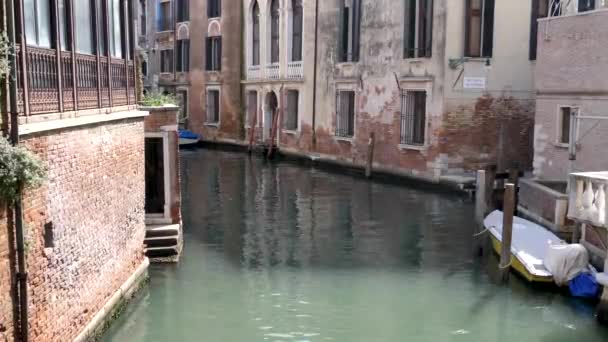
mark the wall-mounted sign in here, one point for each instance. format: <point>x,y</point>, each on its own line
<point>474,83</point>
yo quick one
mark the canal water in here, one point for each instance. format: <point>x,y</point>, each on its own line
<point>282,252</point>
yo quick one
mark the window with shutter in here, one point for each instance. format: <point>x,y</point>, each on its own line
<point>413,117</point>
<point>350,30</point>
<point>183,55</point>
<point>291,121</point>
<point>183,10</point>
<point>297,23</point>
<point>479,36</point>
<point>214,8</point>
<point>275,15</point>
<point>252,107</point>
<point>213,106</point>
<point>214,53</point>
<point>166,61</point>
<point>540,9</point>
<point>418,28</point>
<point>163,19</point>
<point>345,114</point>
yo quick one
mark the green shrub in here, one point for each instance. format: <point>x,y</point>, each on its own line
<point>157,99</point>
<point>18,167</point>
<point>5,52</point>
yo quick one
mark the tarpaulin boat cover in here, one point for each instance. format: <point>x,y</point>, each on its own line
<point>584,285</point>
<point>566,262</point>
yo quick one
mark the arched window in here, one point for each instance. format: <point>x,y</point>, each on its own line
<point>275,16</point>
<point>255,46</point>
<point>296,30</point>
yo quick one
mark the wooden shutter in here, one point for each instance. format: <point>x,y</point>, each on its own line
<point>343,32</point>
<point>488,28</point>
<point>208,53</point>
<point>473,28</point>
<point>428,28</point>
<point>356,27</point>
<point>218,53</point>
<point>409,34</point>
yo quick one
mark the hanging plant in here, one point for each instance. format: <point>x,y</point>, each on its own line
<point>18,167</point>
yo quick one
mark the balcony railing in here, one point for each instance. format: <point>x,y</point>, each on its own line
<point>587,203</point>
<point>559,8</point>
<point>273,71</point>
<point>60,82</point>
<point>295,70</point>
<point>254,72</point>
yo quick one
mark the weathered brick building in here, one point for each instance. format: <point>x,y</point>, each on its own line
<point>446,86</point>
<point>84,227</point>
<point>193,50</point>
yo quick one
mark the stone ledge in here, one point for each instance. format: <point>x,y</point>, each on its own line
<point>32,128</point>
<point>102,319</point>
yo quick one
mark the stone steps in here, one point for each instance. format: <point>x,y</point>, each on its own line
<point>162,242</point>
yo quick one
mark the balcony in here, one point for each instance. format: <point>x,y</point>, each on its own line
<point>588,198</point>
<point>273,71</point>
<point>52,82</point>
<point>295,70</point>
<point>254,72</point>
<point>558,8</point>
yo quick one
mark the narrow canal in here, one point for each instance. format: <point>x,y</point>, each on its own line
<point>281,252</point>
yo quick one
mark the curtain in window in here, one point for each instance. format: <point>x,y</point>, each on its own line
<point>114,20</point>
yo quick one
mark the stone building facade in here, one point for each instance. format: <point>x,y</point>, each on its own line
<point>571,77</point>
<point>193,49</point>
<point>445,86</point>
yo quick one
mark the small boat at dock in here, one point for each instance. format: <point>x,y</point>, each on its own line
<point>529,246</point>
<point>188,138</point>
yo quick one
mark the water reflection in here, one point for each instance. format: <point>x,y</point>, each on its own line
<point>287,253</point>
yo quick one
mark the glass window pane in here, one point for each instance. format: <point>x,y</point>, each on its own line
<point>84,27</point>
<point>29,11</point>
<point>44,23</point>
<point>115,32</point>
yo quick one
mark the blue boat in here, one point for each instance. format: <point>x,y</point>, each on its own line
<point>187,138</point>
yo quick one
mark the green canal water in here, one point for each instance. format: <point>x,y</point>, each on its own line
<point>282,252</point>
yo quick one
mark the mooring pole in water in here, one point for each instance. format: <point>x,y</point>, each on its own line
<point>507,230</point>
<point>370,155</point>
<point>480,197</point>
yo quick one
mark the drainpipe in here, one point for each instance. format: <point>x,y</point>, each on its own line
<point>17,206</point>
<point>314,82</point>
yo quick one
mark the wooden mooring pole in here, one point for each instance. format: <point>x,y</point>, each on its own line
<point>507,230</point>
<point>481,204</point>
<point>370,155</point>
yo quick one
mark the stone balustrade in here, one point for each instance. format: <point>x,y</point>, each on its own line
<point>588,198</point>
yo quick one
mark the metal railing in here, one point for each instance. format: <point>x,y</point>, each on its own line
<point>273,71</point>
<point>254,72</point>
<point>66,81</point>
<point>295,70</point>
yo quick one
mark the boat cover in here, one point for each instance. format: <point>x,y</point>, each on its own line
<point>529,243</point>
<point>184,134</point>
<point>566,262</point>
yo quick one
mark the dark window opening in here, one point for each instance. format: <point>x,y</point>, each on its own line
<point>479,37</point>
<point>297,23</point>
<point>163,16</point>
<point>275,15</point>
<point>565,113</point>
<point>213,106</point>
<point>418,28</point>
<point>183,55</point>
<point>183,10</point>
<point>586,5</point>
<point>142,17</point>
<point>350,28</point>
<point>252,106</point>
<point>155,176</point>
<point>413,117</point>
<point>291,122</point>
<point>214,53</point>
<point>540,9</point>
<point>144,68</point>
<point>345,112</point>
<point>214,8</point>
<point>166,61</point>
<point>255,42</point>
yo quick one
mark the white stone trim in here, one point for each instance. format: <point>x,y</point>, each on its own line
<point>51,125</point>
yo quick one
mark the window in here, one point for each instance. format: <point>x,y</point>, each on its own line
<point>350,24</point>
<point>418,28</point>
<point>142,17</point>
<point>540,9</point>
<point>114,20</point>
<point>166,61</point>
<point>586,5</point>
<point>255,39</point>
<point>64,26</point>
<point>183,11</point>
<point>144,68</point>
<point>291,121</point>
<point>214,53</point>
<point>163,16</point>
<point>413,117</point>
<point>565,116</point>
<point>275,15</point>
<point>182,99</point>
<point>37,22</point>
<point>297,22</point>
<point>252,106</point>
<point>183,55</point>
<point>84,32</point>
<point>214,8</point>
<point>213,106</point>
<point>345,114</point>
<point>479,37</point>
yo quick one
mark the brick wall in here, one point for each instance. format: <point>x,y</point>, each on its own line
<point>6,303</point>
<point>94,199</point>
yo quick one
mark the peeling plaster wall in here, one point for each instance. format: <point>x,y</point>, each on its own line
<point>571,71</point>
